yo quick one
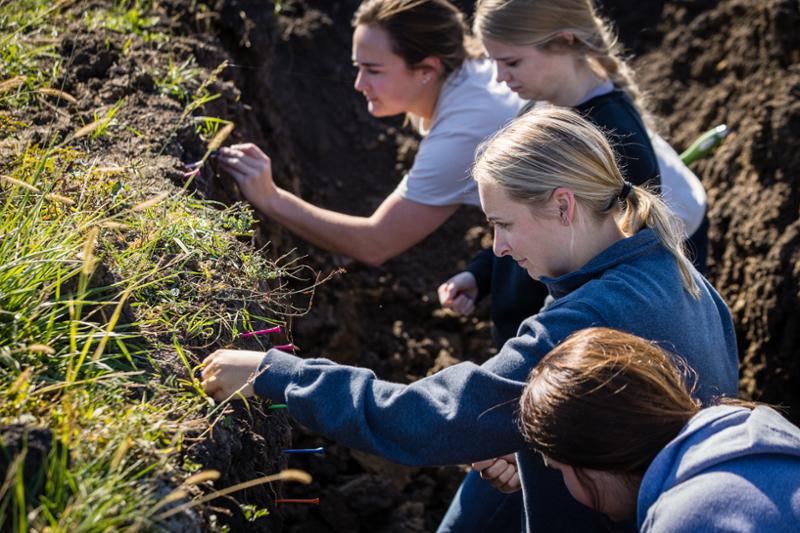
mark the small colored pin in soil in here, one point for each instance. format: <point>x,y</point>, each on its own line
<point>278,406</point>
<point>304,450</point>
<point>286,347</point>
<point>276,329</point>
<point>312,501</point>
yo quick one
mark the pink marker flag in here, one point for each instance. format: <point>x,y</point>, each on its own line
<point>276,329</point>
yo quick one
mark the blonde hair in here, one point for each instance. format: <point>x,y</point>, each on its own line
<point>541,23</point>
<point>551,147</point>
<point>421,28</point>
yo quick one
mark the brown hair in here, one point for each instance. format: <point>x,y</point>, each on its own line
<point>541,23</point>
<point>606,400</point>
<point>421,28</point>
<point>551,147</point>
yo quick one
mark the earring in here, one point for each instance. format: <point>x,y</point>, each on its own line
<point>425,80</point>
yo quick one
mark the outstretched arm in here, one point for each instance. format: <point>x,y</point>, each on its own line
<point>394,227</point>
<point>461,414</point>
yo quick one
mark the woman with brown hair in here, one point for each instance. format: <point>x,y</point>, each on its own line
<point>615,415</point>
<point>610,254</point>
<point>414,58</point>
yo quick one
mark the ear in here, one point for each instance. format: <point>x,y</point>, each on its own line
<point>567,37</point>
<point>430,68</point>
<point>565,204</point>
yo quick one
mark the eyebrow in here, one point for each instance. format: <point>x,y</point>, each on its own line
<point>365,63</point>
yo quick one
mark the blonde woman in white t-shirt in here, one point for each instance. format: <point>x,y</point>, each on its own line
<point>412,57</point>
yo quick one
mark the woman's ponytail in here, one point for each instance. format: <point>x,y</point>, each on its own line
<point>644,208</point>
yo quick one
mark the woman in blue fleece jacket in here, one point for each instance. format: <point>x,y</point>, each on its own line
<point>608,252</point>
<point>615,415</point>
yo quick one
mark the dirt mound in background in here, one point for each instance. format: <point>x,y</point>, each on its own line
<point>739,63</point>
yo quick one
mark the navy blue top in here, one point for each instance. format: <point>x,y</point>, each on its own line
<point>515,295</point>
<point>729,469</point>
<point>466,412</point>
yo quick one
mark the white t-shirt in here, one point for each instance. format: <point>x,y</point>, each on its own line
<point>681,189</point>
<point>471,107</point>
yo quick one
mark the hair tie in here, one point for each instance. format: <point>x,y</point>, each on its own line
<point>626,190</point>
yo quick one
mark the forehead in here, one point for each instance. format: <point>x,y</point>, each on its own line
<point>498,50</point>
<point>494,200</point>
<point>371,44</point>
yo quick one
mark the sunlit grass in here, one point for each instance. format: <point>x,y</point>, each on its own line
<point>101,285</point>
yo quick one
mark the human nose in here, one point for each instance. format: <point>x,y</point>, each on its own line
<point>500,245</point>
<point>359,84</point>
<point>503,75</point>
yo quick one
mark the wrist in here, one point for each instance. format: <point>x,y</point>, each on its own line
<point>270,199</point>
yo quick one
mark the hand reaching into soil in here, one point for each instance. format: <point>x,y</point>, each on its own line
<point>252,170</point>
<point>459,293</point>
<point>228,371</point>
<point>501,473</point>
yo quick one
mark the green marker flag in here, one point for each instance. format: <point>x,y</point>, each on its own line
<point>704,144</point>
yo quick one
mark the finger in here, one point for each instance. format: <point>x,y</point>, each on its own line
<point>241,146</point>
<point>210,385</point>
<point>460,303</point>
<point>445,296</point>
<point>514,484</point>
<point>240,177</point>
<point>255,151</point>
<point>470,307</point>
<point>505,476</point>
<point>482,465</point>
<point>241,163</point>
<point>210,371</point>
<point>494,471</point>
<point>465,305</point>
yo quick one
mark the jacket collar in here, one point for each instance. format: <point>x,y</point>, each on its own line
<point>622,251</point>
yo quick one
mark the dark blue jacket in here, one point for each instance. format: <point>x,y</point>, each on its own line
<point>467,412</point>
<point>729,469</point>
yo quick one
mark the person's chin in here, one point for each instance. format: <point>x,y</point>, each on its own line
<point>521,92</point>
<point>380,112</point>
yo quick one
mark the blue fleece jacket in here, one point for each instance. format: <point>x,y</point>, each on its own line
<point>729,469</point>
<point>466,412</point>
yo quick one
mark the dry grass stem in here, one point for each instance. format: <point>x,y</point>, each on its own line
<point>58,94</point>
<point>286,475</point>
<point>155,200</point>
<point>89,128</point>
<point>220,137</point>
<point>11,83</point>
